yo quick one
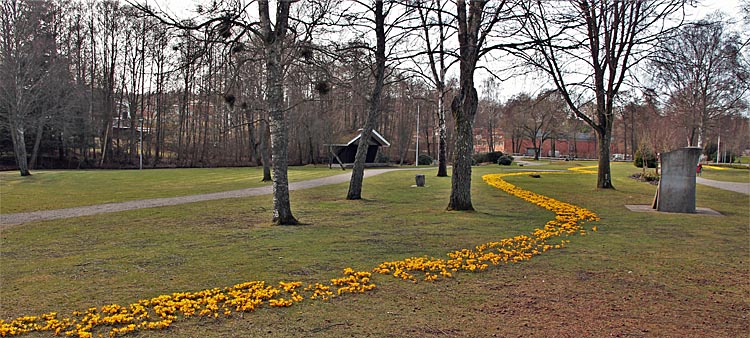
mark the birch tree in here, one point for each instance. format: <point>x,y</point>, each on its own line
<point>433,18</point>
<point>268,24</point>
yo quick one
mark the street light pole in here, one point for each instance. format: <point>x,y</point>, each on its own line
<point>416,153</point>
<point>140,145</point>
<point>718,149</point>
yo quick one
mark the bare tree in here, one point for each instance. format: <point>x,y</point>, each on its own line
<point>28,59</point>
<point>703,75</point>
<point>105,27</point>
<point>489,108</point>
<point>512,117</point>
<point>432,15</point>
<point>541,118</point>
<point>228,23</point>
<point>355,183</point>
<point>590,47</point>
<point>380,11</point>
<point>160,42</point>
<point>735,137</point>
<point>478,35</point>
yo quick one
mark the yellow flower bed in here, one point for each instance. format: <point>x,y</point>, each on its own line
<point>569,219</point>
<point>160,312</point>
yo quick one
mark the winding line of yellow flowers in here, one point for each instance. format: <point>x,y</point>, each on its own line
<point>569,219</point>
<point>160,312</point>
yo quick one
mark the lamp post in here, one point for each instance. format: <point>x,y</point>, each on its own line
<point>140,144</point>
<point>718,149</point>
<point>416,153</point>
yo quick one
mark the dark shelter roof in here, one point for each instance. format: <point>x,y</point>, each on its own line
<point>345,150</point>
<point>353,138</point>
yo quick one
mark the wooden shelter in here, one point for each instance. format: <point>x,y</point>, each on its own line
<point>345,151</point>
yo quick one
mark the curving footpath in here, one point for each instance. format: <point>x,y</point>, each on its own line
<point>7,220</point>
<point>742,188</point>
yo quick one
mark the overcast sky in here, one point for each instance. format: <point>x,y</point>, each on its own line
<point>531,84</point>
<point>706,6</point>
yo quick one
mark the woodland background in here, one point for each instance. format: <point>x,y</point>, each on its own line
<point>85,80</point>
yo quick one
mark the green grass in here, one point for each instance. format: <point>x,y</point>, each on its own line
<point>641,273</point>
<point>53,189</point>
<point>726,174</point>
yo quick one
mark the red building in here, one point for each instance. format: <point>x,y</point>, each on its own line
<point>580,145</point>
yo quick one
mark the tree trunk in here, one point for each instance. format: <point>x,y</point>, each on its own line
<point>358,172</point>
<point>604,177</point>
<point>464,108</point>
<point>107,141</point>
<point>133,134</point>
<point>253,146</point>
<point>438,76</point>
<point>282,210</point>
<point>625,136</point>
<point>553,146</point>
<point>490,137</point>
<point>159,109</point>
<point>19,147</point>
<point>37,143</point>
<point>264,153</point>
<point>442,145</point>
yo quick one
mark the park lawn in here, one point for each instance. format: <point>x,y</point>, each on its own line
<point>640,274</point>
<point>54,189</point>
<point>726,174</point>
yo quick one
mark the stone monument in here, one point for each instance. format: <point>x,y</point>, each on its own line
<point>676,190</point>
<point>420,180</point>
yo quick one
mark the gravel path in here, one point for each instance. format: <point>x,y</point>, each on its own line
<point>742,188</point>
<point>7,220</point>
<point>528,163</point>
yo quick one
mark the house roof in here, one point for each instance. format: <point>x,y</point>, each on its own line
<point>353,137</point>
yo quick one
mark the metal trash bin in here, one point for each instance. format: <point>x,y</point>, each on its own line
<point>420,180</point>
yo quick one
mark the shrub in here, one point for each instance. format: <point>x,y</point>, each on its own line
<point>505,160</point>
<point>490,157</point>
<point>651,177</point>
<point>646,155</point>
<point>424,159</point>
<point>494,156</point>
<point>381,158</point>
<point>478,158</point>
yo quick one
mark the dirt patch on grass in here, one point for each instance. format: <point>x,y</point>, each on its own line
<point>512,301</point>
<point>597,304</point>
